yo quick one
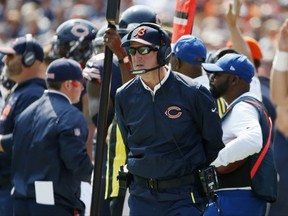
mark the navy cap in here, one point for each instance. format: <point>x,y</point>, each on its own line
<point>19,46</point>
<point>190,49</point>
<point>64,69</point>
<point>233,64</point>
<point>145,35</point>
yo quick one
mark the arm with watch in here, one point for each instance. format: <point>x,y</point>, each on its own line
<point>113,41</point>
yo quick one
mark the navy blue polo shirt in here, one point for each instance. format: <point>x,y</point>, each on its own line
<point>24,94</point>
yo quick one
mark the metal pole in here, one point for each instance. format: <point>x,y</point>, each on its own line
<point>112,16</point>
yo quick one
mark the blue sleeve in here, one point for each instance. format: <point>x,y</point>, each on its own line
<point>210,124</point>
<point>72,140</point>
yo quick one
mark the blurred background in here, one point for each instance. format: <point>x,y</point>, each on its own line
<point>260,19</point>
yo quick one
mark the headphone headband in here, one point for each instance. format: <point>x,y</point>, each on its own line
<point>28,57</point>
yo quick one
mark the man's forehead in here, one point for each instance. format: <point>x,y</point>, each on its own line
<point>136,44</point>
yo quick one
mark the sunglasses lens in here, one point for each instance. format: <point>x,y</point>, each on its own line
<point>144,50</point>
<point>132,51</point>
<point>141,50</point>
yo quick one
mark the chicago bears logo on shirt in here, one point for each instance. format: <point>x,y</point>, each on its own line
<point>173,112</point>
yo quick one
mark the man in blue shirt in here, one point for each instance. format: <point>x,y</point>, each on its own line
<point>49,147</point>
<point>22,65</point>
<point>170,127</point>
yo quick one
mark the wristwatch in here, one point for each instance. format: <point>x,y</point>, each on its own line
<point>124,60</point>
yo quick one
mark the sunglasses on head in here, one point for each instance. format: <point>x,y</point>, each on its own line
<point>144,50</point>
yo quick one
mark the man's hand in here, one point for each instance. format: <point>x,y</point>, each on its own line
<point>231,15</point>
<point>230,167</point>
<point>113,41</point>
<point>279,76</point>
<point>283,37</point>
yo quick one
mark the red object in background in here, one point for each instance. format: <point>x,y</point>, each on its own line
<point>183,18</point>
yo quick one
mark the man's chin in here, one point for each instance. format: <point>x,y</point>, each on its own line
<point>215,94</point>
<point>75,101</point>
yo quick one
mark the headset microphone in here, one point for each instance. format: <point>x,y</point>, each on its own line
<point>142,71</point>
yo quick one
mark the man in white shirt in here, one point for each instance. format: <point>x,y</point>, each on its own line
<point>242,136</point>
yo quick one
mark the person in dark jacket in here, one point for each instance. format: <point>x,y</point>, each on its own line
<point>22,65</point>
<point>50,159</point>
<point>170,127</point>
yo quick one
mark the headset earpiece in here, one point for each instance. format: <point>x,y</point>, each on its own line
<point>164,52</point>
<point>28,57</point>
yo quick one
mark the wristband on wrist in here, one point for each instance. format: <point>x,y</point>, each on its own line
<point>124,60</point>
<point>280,62</point>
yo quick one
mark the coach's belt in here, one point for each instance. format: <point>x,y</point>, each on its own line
<point>157,184</point>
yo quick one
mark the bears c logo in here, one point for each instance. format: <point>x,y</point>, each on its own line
<point>141,31</point>
<point>173,112</point>
<point>80,30</point>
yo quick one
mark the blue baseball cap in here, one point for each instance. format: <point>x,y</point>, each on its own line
<point>190,49</point>
<point>232,63</point>
<point>64,69</point>
<point>19,46</point>
<point>144,34</point>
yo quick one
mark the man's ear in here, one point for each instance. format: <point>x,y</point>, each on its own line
<point>235,80</point>
<point>67,84</point>
<point>178,63</point>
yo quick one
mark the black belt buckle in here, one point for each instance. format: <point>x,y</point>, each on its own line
<point>152,184</point>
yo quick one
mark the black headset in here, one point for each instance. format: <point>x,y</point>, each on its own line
<point>164,52</point>
<point>28,57</point>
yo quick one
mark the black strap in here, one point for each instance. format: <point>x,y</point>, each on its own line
<point>156,184</point>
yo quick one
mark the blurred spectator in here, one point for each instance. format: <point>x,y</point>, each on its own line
<point>13,20</point>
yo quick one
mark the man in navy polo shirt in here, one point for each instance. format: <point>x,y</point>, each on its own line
<point>170,127</point>
<point>22,65</point>
<point>49,157</point>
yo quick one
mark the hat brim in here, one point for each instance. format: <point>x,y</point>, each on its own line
<point>138,40</point>
<point>212,68</point>
<point>7,50</point>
